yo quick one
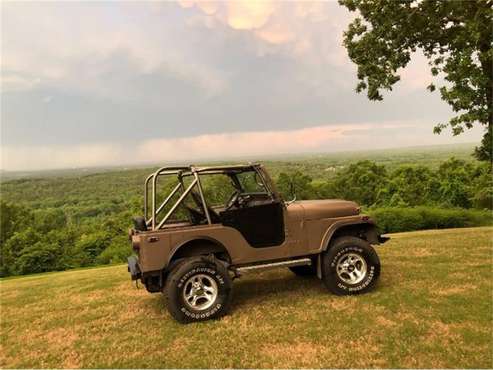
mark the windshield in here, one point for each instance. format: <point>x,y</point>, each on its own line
<point>251,182</point>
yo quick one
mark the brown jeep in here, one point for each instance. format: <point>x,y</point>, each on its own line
<point>205,226</point>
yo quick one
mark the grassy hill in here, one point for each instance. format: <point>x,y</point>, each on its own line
<point>432,308</point>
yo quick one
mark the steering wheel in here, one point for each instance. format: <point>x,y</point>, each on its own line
<point>233,199</point>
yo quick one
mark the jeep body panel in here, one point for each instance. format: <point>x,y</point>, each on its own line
<point>327,208</point>
<point>302,237</point>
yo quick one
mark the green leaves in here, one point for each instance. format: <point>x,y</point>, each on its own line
<point>361,182</point>
<point>457,38</point>
<point>298,182</point>
<point>456,183</point>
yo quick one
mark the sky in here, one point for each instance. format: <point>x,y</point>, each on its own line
<point>117,83</point>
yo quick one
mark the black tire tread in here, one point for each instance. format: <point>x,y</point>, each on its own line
<point>177,272</point>
<point>371,257</point>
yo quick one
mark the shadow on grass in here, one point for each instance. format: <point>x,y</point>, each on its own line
<point>270,290</point>
<point>263,289</point>
<point>267,289</point>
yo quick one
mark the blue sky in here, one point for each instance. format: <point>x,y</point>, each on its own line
<point>96,83</point>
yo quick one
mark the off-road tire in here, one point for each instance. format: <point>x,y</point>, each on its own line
<point>305,270</point>
<point>342,250</point>
<point>179,279</point>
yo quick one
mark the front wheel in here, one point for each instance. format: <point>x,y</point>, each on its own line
<point>198,289</point>
<point>350,266</point>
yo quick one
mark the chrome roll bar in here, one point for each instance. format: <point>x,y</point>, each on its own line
<point>173,192</point>
<point>202,198</point>
<point>160,172</point>
<point>183,171</point>
<point>180,171</point>
<point>175,206</point>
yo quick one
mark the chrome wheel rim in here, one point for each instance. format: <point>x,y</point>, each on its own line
<point>200,292</point>
<point>351,268</point>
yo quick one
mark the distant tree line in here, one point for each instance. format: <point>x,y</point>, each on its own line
<point>58,224</point>
<point>456,183</point>
<point>46,240</point>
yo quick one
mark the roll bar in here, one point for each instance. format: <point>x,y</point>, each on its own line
<point>181,172</point>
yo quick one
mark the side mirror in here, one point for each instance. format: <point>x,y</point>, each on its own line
<point>292,190</point>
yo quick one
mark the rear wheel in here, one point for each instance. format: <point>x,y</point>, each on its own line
<point>198,288</point>
<point>350,266</point>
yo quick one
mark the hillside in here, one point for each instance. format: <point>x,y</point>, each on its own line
<point>432,308</point>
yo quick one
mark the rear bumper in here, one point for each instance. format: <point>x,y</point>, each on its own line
<point>133,268</point>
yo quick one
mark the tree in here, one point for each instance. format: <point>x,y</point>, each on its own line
<point>12,219</point>
<point>90,246</point>
<point>455,178</point>
<point>482,187</point>
<point>361,182</point>
<point>21,241</point>
<point>483,152</point>
<point>409,186</point>
<point>49,219</point>
<point>295,182</point>
<point>38,257</point>
<point>455,36</point>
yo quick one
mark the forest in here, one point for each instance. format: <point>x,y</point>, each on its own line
<point>79,218</point>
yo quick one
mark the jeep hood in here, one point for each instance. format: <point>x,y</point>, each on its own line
<point>329,208</point>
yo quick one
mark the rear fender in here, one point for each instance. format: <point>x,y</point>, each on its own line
<point>198,246</point>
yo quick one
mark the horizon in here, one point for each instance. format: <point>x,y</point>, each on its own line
<point>280,157</point>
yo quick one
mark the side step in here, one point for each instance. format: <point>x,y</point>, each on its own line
<point>290,263</point>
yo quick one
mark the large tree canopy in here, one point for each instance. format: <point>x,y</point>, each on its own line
<point>455,36</point>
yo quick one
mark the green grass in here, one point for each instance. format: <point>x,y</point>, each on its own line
<point>432,308</point>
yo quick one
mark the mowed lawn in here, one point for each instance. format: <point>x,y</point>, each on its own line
<point>433,307</point>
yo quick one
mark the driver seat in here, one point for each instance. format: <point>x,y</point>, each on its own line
<point>215,219</point>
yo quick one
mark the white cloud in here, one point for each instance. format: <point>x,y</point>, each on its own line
<point>18,82</point>
<point>70,46</point>
<point>306,30</point>
<point>248,15</point>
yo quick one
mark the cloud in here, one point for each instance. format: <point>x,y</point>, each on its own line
<point>302,29</point>
<point>88,80</point>
<point>47,157</point>
<point>242,143</point>
<point>239,15</point>
<point>225,146</point>
<point>248,15</point>
<point>12,81</point>
<point>164,149</point>
<point>74,46</point>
